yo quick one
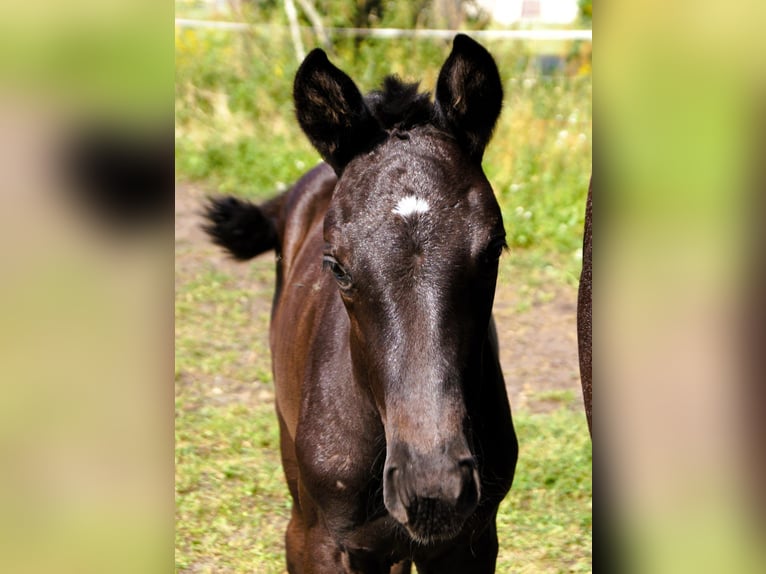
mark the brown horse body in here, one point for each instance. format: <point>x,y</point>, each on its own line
<point>585,311</point>
<point>396,434</point>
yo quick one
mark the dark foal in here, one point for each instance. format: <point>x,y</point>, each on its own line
<point>396,432</point>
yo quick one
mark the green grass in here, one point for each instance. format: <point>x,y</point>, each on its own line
<point>545,522</point>
<point>231,502</point>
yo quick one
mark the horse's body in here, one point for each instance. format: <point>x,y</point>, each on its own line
<point>396,433</point>
<point>585,311</point>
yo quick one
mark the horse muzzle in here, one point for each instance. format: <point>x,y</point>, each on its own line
<point>431,495</point>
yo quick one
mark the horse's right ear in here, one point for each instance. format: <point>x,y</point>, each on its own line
<point>469,95</point>
<point>332,112</point>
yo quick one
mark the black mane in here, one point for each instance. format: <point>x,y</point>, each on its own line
<point>399,105</point>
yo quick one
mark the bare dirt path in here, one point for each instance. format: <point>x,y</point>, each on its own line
<point>538,345</point>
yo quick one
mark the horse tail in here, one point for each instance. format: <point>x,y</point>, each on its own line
<point>241,227</point>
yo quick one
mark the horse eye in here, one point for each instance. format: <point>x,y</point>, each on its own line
<point>494,250</point>
<point>341,275</point>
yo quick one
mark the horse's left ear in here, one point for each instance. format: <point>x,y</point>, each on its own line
<point>469,95</point>
<point>332,111</point>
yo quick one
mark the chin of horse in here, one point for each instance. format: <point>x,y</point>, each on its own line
<point>440,525</point>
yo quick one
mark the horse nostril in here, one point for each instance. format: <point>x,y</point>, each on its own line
<point>467,468</point>
<point>468,495</point>
<point>393,497</point>
<point>391,484</point>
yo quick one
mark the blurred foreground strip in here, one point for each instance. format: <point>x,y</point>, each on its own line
<point>680,427</point>
<point>86,317</point>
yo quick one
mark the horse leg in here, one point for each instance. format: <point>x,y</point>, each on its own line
<point>309,547</point>
<point>294,542</point>
<point>295,536</point>
<point>322,555</point>
<point>370,563</point>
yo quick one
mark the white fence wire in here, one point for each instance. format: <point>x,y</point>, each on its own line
<point>542,35</point>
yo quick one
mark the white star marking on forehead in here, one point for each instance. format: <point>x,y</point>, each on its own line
<point>410,205</point>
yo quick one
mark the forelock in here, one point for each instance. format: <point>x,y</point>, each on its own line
<point>399,105</point>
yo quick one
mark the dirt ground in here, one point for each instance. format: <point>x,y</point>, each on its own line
<point>538,344</point>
